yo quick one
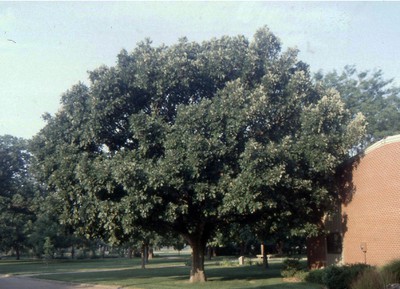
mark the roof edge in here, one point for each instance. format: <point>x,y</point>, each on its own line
<point>382,142</point>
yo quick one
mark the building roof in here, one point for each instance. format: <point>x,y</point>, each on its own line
<point>383,142</point>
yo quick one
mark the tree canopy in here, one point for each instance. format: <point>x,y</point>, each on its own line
<point>194,136</point>
<point>16,193</point>
<point>368,92</point>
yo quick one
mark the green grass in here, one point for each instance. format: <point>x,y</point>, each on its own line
<point>161,273</point>
<point>58,266</point>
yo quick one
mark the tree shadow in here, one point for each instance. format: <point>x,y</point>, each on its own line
<point>294,285</point>
<point>347,189</point>
<point>243,273</point>
<point>346,186</point>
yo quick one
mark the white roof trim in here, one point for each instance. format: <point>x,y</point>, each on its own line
<point>381,143</point>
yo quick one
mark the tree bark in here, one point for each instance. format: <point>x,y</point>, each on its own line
<point>150,254</point>
<point>146,254</point>
<point>209,252</point>
<point>17,252</point>
<point>215,251</point>
<point>264,256</point>
<point>143,255</point>
<point>130,253</point>
<point>198,241</point>
<point>197,272</point>
<point>242,249</point>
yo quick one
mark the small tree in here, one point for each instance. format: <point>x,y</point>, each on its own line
<point>48,248</point>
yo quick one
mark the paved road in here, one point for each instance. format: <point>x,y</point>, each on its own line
<point>12,282</point>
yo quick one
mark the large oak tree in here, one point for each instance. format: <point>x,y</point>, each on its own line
<point>194,136</point>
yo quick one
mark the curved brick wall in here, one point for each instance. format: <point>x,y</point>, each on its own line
<point>372,216</point>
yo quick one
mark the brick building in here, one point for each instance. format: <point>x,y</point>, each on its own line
<point>366,226</point>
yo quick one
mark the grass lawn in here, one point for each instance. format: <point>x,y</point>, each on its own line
<point>161,273</point>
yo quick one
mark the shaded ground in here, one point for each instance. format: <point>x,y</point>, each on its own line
<point>21,282</point>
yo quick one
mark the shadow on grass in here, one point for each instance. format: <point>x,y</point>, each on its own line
<point>171,277</point>
<point>242,273</point>
<point>178,277</point>
<point>112,275</point>
<point>289,286</point>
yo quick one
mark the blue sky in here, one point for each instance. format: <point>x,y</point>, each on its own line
<point>54,44</point>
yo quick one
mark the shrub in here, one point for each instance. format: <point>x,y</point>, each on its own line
<point>369,279</point>
<point>316,276</point>
<point>391,271</point>
<point>301,275</point>
<point>341,277</point>
<point>291,268</point>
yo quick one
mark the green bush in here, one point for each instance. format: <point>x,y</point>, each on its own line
<point>341,277</point>
<point>291,268</point>
<point>356,276</point>
<point>369,279</point>
<point>377,279</point>
<point>301,275</point>
<point>391,271</point>
<point>316,276</point>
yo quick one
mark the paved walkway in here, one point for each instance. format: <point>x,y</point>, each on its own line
<point>23,282</point>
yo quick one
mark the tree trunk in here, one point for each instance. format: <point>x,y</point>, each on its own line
<point>198,241</point>
<point>17,252</point>
<point>151,253</point>
<point>264,256</point>
<point>209,252</point>
<point>146,254</point>
<point>130,253</point>
<point>197,272</point>
<point>242,249</point>
<point>143,255</point>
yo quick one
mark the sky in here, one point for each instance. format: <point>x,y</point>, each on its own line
<point>46,47</point>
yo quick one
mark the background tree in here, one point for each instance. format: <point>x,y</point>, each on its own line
<point>192,137</point>
<point>16,194</point>
<point>368,92</point>
<point>46,226</point>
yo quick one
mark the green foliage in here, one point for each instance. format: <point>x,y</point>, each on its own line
<point>356,276</point>
<point>369,93</point>
<point>369,279</point>
<point>47,208</point>
<point>48,248</point>
<point>16,194</point>
<point>293,268</point>
<point>392,270</point>
<point>341,277</point>
<point>191,137</point>
<point>316,276</point>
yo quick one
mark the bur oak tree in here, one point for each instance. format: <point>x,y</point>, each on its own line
<point>191,137</point>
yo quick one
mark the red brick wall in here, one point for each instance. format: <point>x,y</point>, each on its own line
<point>372,215</point>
